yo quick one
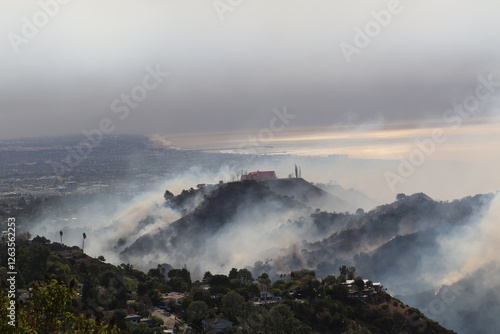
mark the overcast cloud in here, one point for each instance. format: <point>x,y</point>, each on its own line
<point>229,74</point>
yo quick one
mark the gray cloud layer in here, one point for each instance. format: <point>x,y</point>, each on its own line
<point>227,75</point>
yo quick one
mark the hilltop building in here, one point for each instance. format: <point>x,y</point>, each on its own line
<point>259,176</point>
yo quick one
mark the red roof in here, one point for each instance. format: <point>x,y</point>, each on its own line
<point>259,175</point>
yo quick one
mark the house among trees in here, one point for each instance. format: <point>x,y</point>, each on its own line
<point>174,297</point>
<point>259,176</point>
<point>133,318</point>
<point>69,254</point>
<point>362,288</point>
<point>268,298</point>
<point>217,325</point>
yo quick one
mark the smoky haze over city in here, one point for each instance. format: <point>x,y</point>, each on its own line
<point>139,124</point>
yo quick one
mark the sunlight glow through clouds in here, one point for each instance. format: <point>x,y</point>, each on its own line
<point>392,141</point>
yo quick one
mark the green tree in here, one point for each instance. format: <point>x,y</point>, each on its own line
<point>233,273</point>
<point>358,330</point>
<point>155,296</point>
<point>48,311</point>
<point>400,197</point>
<point>245,276</point>
<point>264,279</point>
<point>201,295</point>
<point>80,324</point>
<point>89,291</point>
<point>253,290</point>
<point>219,280</point>
<point>178,284</point>
<point>232,305</point>
<point>47,302</point>
<point>351,272</point>
<point>338,292</point>
<point>330,279</point>
<point>207,276</point>
<point>144,329</point>
<point>219,285</point>
<point>299,274</point>
<point>359,283</point>
<point>343,270</point>
<point>119,316</point>
<point>196,312</point>
<point>33,261</point>
<point>284,322</point>
<point>41,240</point>
<point>310,286</point>
<point>168,196</point>
<point>181,275</point>
<point>83,242</point>
<point>20,323</point>
<point>158,273</point>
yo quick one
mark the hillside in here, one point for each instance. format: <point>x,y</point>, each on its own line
<point>414,245</point>
<point>211,211</point>
<point>260,213</point>
<point>470,305</point>
<point>309,194</point>
<point>365,234</point>
<point>353,196</point>
<point>414,227</point>
<point>215,211</point>
<point>297,303</point>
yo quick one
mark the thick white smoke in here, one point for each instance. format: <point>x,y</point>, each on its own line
<point>473,246</point>
<point>112,223</point>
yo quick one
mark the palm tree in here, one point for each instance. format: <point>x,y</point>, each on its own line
<point>83,243</point>
<point>61,234</point>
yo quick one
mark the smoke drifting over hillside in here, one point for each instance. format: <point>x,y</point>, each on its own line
<point>474,245</point>
<point>234,225</point>
<point>412,246</point>
<point>254,230</point>
<point>467,263</point>
<point>112,223</point>
<point>262,231</point>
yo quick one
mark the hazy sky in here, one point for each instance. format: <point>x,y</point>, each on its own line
<point>228,75</point>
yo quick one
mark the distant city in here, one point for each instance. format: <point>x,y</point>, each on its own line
<point>121,164</point>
